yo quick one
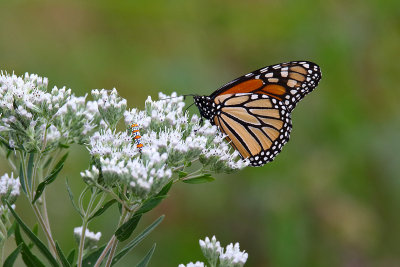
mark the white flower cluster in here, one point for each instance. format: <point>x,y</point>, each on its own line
<point>111,106</point>
<point>9,187</point>
<point>231,256</point>
<point>120,160</point>
<point>170,140</point>
<point>191,264</point>
<point>91,238</point>
<point>166,128</point>
<point>29,113</point>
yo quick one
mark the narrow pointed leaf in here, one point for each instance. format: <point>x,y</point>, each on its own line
<point>71,257</point>
<point>62,257</point>
<point>11,230</point>
<point>164,191</point>
<point>204,178</point>
<point>30,168</point>
<point>145,261</point>
<point>150,204</point>
<point>48,161</point>
<point>21,178</point>
<point>42,248</point>
<point>90,260</point>
<point>182,174</point>
<point>103,209</point>
<point>29,259</point>
<point>136,240</point>
<point>9,262</point>
<point>50,178</point>
<point>17,234</point>
<point>125,230</point>
<point>71,197</point>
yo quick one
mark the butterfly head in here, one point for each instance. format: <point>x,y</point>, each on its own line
<point>206,106</point>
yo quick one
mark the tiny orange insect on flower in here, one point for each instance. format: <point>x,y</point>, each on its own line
<point>136,136</point>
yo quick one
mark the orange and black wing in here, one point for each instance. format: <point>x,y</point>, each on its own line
<point>256,125</point>
<point>287,82</point>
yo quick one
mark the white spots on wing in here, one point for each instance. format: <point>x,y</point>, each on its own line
<point>249,74</point>
<point>254,96</point>
<point>284,73</point>
<point>273,80</point>
<point>240,94</point>
<point>269,75</point>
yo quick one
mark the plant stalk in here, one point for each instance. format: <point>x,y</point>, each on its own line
<point>85,223</point>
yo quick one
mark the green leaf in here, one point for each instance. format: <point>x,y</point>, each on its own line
<point>103,209</point>
<point>63,145</point>
<point>42,248</point>
<point>62,257</point>
<point>30,168</point>
<point>150,204</point>
<point>125,230</point>
<point>136,240</point>
<point>21,178</point>
<point>182,174</point>
<point>9,262</point>
<point>35,230</point>
<point>17,234</point>
<point>164,191</point>
<point>29,259</point>
<point>145,261</point>
<point>50,178</point>
<point>199,179</point>
<point>11,230</point>
<point>47,163</point>
<point>71,197</point>
<point>71,257</point>
<point>91,259</point>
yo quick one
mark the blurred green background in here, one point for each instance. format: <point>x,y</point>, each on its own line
<point>331,198</point>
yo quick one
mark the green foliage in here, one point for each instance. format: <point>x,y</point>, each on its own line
<point>50,178</point>
<point>42,247</point>
<point>145,261</point>
<point>136,240</point>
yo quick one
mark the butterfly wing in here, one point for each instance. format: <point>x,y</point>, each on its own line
<point>287,82</point>
<point>257,125</point>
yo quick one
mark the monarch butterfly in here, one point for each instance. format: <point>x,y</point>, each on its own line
<point>254,110</point>
<point>136,136</point>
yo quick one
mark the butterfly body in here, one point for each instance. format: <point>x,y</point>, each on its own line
<point>254,110</point>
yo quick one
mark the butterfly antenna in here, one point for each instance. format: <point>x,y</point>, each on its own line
<point>184,97</point>
<point>188,107</point>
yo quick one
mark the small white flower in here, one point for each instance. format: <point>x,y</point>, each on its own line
<point>211,249</point>
<point>232,256</point>
<point>191,264</point>
<point>9,187</point>
<point>91,238</point>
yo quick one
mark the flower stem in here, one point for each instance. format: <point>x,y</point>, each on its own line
<point>36,210</point>
<point>46,231</point>
<point>85,222</point>
<point>112,244</point>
